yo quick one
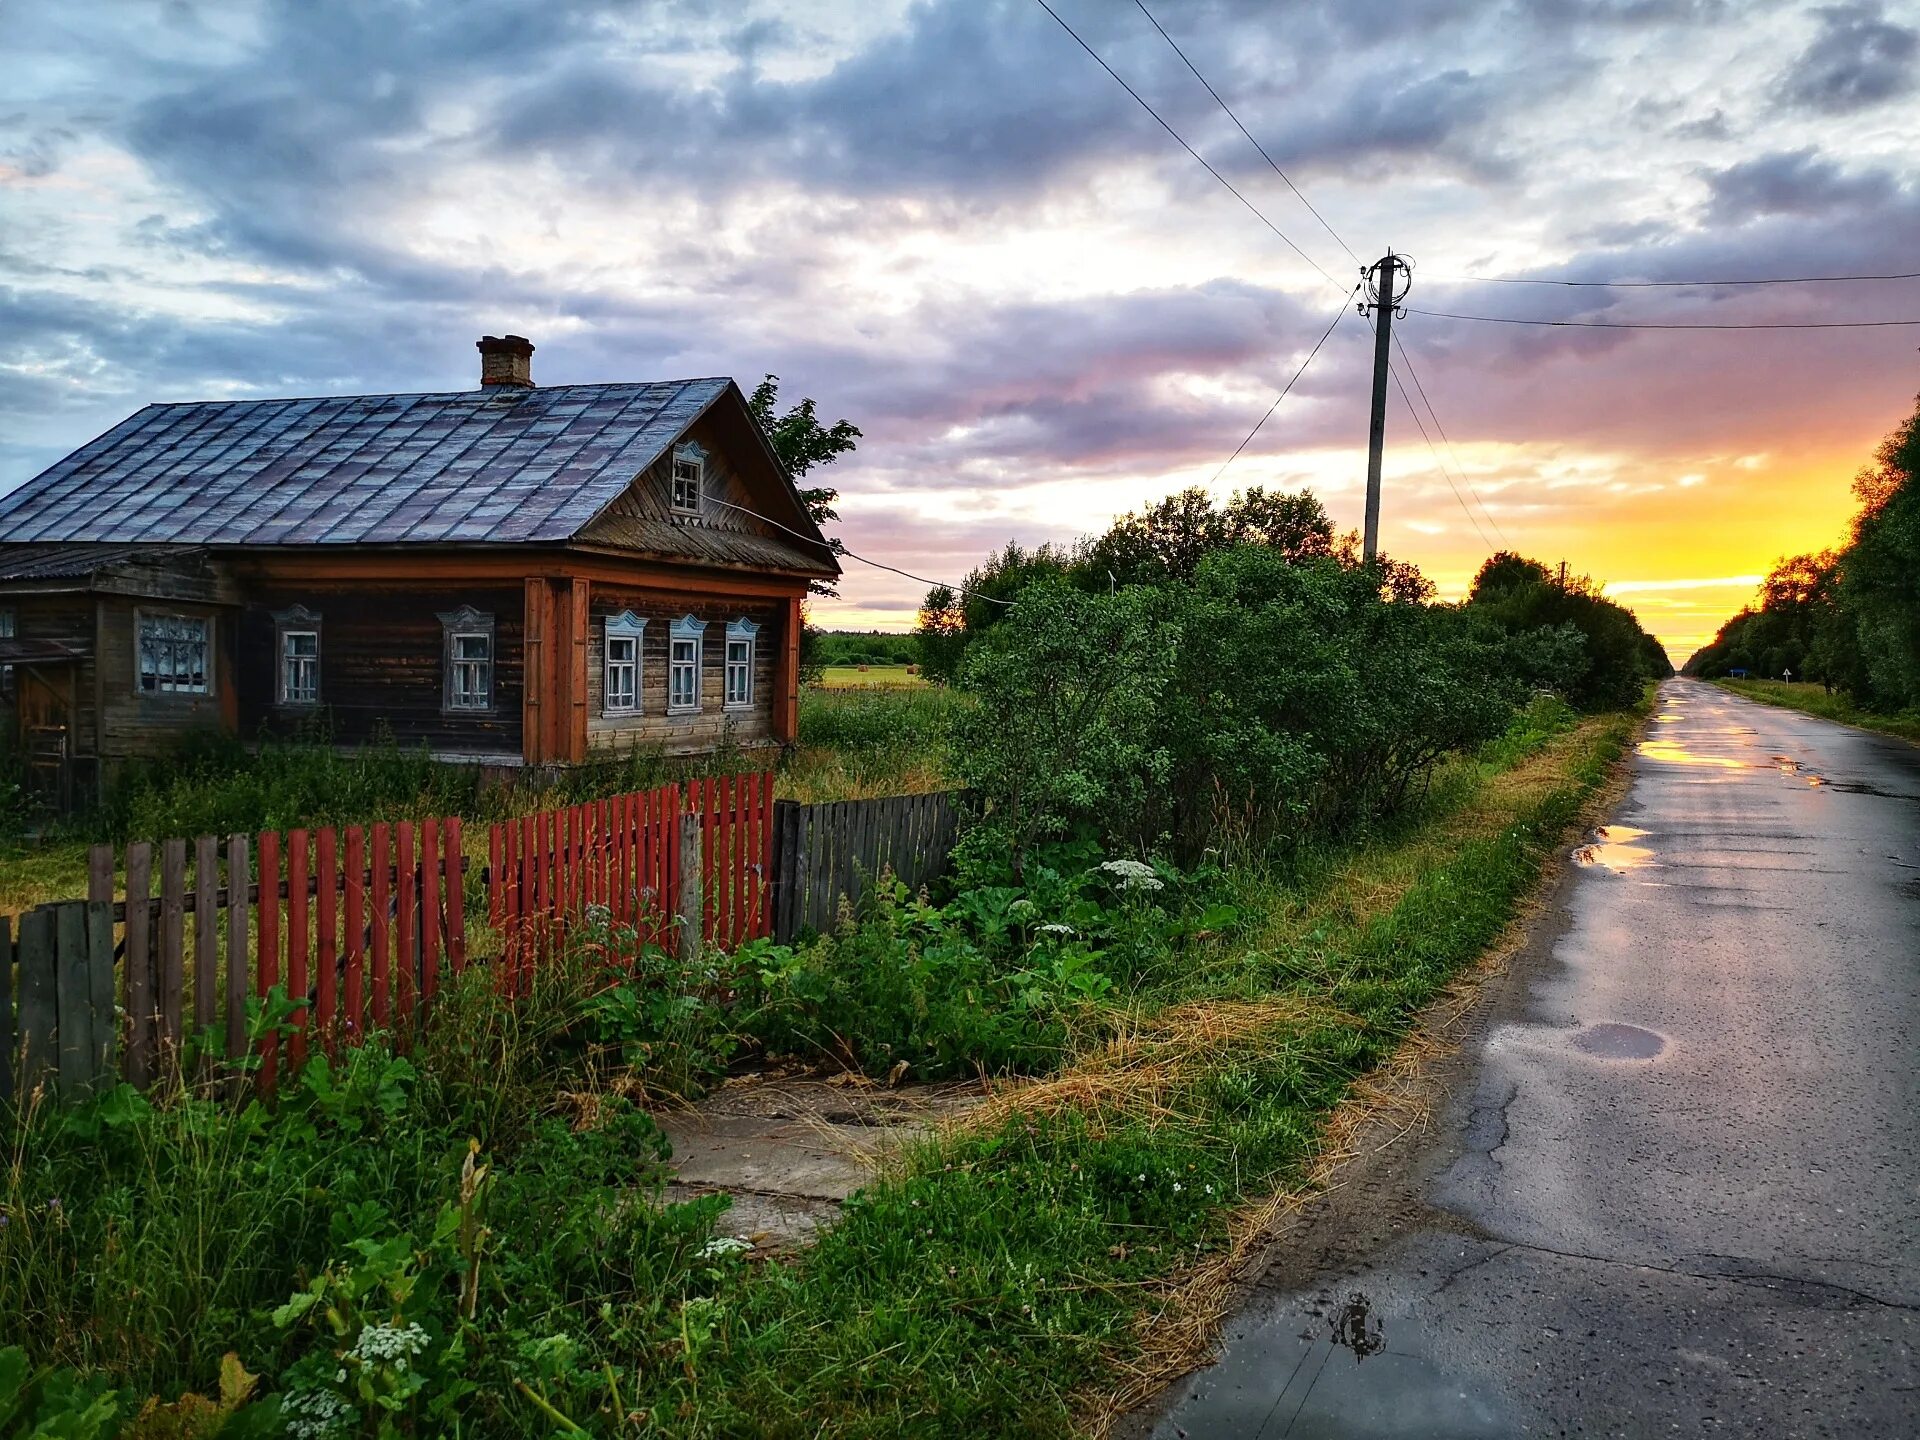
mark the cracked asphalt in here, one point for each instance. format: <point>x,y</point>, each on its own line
<point>1672,1180</point>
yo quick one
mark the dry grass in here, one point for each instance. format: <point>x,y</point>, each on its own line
<point>1142,1074</point>
<point>1179,1328</point>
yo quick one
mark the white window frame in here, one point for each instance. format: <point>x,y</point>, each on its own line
<point>464,624</point>
<point>288,624</point>
<point>687,631</point>
<point>741,634</point>
<point>141,620</point>
<point>624,628</point>
<point>9,630</point>
<point>685,491</point>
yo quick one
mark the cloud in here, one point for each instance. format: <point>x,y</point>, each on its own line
<point>1858,59</point>
<point>1796,182</point>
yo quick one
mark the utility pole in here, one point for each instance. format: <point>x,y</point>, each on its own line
<point>1384,297</point>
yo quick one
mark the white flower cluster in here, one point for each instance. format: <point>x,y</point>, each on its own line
<point>1056,929</point>
<point>1132,875</point>
<point>315,1414</point>
<point>721,1245</point>
<point>381,1344</point>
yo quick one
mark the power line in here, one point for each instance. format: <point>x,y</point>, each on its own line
<point>842,550</point>
<point>1668,284</point>
<point>1439,464</point>
<point>1337,314</point>
<point>1274,164</point>
<point>1465,479</point>
<point>1141,101</point>
<point>1667,325</point>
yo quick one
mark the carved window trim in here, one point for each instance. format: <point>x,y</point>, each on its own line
<point>624,676</point>
<point>741,641</point>
<point>685,645</point>
<point>467,667</point>
<point>687,478</point>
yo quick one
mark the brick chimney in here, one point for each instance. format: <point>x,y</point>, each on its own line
<point>505,360</point>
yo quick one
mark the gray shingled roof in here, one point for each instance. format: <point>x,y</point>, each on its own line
<point>474,466</point>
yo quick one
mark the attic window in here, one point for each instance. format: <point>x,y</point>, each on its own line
<point>689,474</point>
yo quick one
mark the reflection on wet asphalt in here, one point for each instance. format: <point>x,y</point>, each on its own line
<point>1676,1186</point>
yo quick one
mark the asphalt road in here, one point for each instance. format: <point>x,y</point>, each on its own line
<point>1673,1186</point>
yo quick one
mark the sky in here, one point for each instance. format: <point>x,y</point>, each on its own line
<point>943,221</point>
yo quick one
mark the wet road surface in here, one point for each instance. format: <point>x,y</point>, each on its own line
<point>1674,1186</point>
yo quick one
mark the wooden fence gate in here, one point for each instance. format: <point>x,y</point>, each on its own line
<point>833,851</point>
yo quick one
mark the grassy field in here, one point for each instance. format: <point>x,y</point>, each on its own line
<point>1814,700</point>
<point>846,677</point>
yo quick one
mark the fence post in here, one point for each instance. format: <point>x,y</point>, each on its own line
<point>73,999</point>
<point>689,911</point>
<point>7,1055</point>
<point>100,992</point>
<point>38,1005</point>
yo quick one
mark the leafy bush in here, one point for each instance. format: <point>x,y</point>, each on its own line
<point>1267,699</point>
<point>1615,657</point>
<point>995,980</point>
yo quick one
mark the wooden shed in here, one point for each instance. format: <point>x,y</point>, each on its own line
<point>510,575</point>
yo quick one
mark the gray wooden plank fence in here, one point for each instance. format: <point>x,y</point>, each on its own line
<point>823,853</point>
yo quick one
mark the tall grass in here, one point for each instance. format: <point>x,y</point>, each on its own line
<point>1815,700</point>
<point>879,741</point>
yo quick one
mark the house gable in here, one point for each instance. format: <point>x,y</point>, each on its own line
<point>749,515</point>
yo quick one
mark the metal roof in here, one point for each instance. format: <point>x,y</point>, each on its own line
<point>503,464</point>
<point>71,562</point>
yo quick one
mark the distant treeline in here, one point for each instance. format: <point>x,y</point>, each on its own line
<point>1198,662</point>
<point>865,647</point>
<point>1848,618</point>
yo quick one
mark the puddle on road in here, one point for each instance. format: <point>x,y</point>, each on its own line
<point>1613,1041</point>
<point>1674,753</point>
<point>1338,1379</point>
<point>1612,848</point>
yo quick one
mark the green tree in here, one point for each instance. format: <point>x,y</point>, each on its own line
<point>942,632</point>
<point>802,442</point>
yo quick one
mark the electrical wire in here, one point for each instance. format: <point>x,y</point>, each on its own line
<point>1439,464</point>
<point>1444,440</point>
<point>1139,99</point>
<point>842,550</point>
<point>1667,325</point>
<point>1667,284</point>
<point>1337,314</point>
<point>1271,162</point>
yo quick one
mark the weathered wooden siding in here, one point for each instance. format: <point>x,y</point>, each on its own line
<point>66,617</point>
<point>382,664</point>
<point>714,722</point>
<point>132,723</point>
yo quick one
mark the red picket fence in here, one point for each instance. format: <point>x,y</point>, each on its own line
<point>364,923</point>
<point>624,854</point>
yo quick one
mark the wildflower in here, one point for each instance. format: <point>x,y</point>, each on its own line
<point>1132,875</point>
<point>1056,929</point>
<point>389,1343</point>
<point>722,1245</point>
<point>1176,1187</point>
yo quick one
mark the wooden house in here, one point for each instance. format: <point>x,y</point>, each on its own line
<point>511,575</point>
